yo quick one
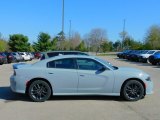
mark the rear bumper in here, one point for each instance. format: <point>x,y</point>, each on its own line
<point>16,87</point>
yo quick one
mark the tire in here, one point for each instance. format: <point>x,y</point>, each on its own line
<point>133,90</point>
<point>154,63</point>
<point>39,91</point>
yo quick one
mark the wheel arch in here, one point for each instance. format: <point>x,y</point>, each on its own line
<point>136,79</point>
<point>34,79</point>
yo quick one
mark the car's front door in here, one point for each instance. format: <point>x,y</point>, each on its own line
<point>63,76</point>
<point>92,79</point>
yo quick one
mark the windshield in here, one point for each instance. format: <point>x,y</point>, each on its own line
<point>151,52</point>
<point>107,63</point>
<point>144,52</point>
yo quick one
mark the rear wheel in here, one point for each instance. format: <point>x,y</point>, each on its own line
<point>154,63</point>
<point>133,90</point>
<point>39,91</point>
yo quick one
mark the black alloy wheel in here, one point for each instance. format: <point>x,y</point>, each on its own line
<point>39,91</point>
<point>133,90</point>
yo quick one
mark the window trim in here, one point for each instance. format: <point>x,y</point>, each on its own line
<point>75,66</point>
<point>91,60</point>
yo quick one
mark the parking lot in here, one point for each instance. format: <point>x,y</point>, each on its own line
<point>19,107</point>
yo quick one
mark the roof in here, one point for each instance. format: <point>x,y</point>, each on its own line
<point>62,57</point>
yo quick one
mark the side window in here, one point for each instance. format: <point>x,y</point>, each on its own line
<point>62,63</point>
<point>157,52</point>
<point>88,64</point>
<point>43,57</point>
<point>52,54</point>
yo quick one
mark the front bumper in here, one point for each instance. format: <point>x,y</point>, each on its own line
<point>149,87</point>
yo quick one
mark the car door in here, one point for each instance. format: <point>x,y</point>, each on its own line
<point>63,75</point>
<point>93,79</point>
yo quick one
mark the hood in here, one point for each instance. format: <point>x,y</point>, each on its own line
<point>129,69</point>
<point>20,65</point>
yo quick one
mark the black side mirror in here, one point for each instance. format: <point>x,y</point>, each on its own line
<point>102,69</point>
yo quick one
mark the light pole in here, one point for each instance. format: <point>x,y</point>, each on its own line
<point>62,19</point>
<point>70,27</point>
<point>124,34</point>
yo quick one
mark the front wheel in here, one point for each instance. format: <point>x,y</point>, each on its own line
<point>154,63</point>
<point>39,91</point>
<point>133,90</point>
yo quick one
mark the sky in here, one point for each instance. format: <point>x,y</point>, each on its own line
<point>30,17</point>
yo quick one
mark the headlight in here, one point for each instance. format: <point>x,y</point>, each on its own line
<point>148,79</point>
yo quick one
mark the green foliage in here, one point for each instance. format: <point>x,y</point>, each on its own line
<point>54,43</point>
<point>106,46</point>
<point>117,45</point>
<point>152,39</point>
<point>81,47</point>
<point>19,42</point>
<point>130,43</point>
<point>3,45</point>
<point>44,43</point>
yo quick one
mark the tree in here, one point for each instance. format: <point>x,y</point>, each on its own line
<point>19,42</point>
<point>3,45</point>
<point>81,47</point>
<point>95,38</point>
<point>152,38</point>
<point>123,36</point>
<point>117,45</point>
<point>75,40</point>
<point>54,43</point>
<point>44,42</point>
<point>130,43</point>
<point>61,41</point>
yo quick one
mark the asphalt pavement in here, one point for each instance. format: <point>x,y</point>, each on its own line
<point>19,107</point>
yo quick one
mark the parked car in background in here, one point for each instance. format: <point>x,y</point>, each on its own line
<point>17,57</point>
<point>25,56</point>
<point>37,55</point>
<point>144,57</point>
<point>31,55</point>
<point>46,55</point>
<point>134,56</point>
<point>79,75</point>
<point>3,58</point>
<point>128,56</point>
<point>122,54</point>
<point>10,57</point>
<point>155,59</point>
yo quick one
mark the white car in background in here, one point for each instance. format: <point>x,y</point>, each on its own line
<point>25,56</point>
<point>144,57</point>
<point>79,75</point>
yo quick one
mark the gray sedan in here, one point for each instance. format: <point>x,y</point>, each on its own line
<point>79,75</point>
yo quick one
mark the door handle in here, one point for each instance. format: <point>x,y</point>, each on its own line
<point>50,73</point>
<point>82,75</point>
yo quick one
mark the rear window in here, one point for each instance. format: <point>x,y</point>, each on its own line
<point>62,63</point>
<point>70,53</point>
<point>14,53</point>
<point>53,54</point>
<point>21,53</point>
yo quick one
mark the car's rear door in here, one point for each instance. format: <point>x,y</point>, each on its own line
<point>91,80</point>
<point>63,75</point>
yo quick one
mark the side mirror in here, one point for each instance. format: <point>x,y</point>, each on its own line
<point>102,69</point>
